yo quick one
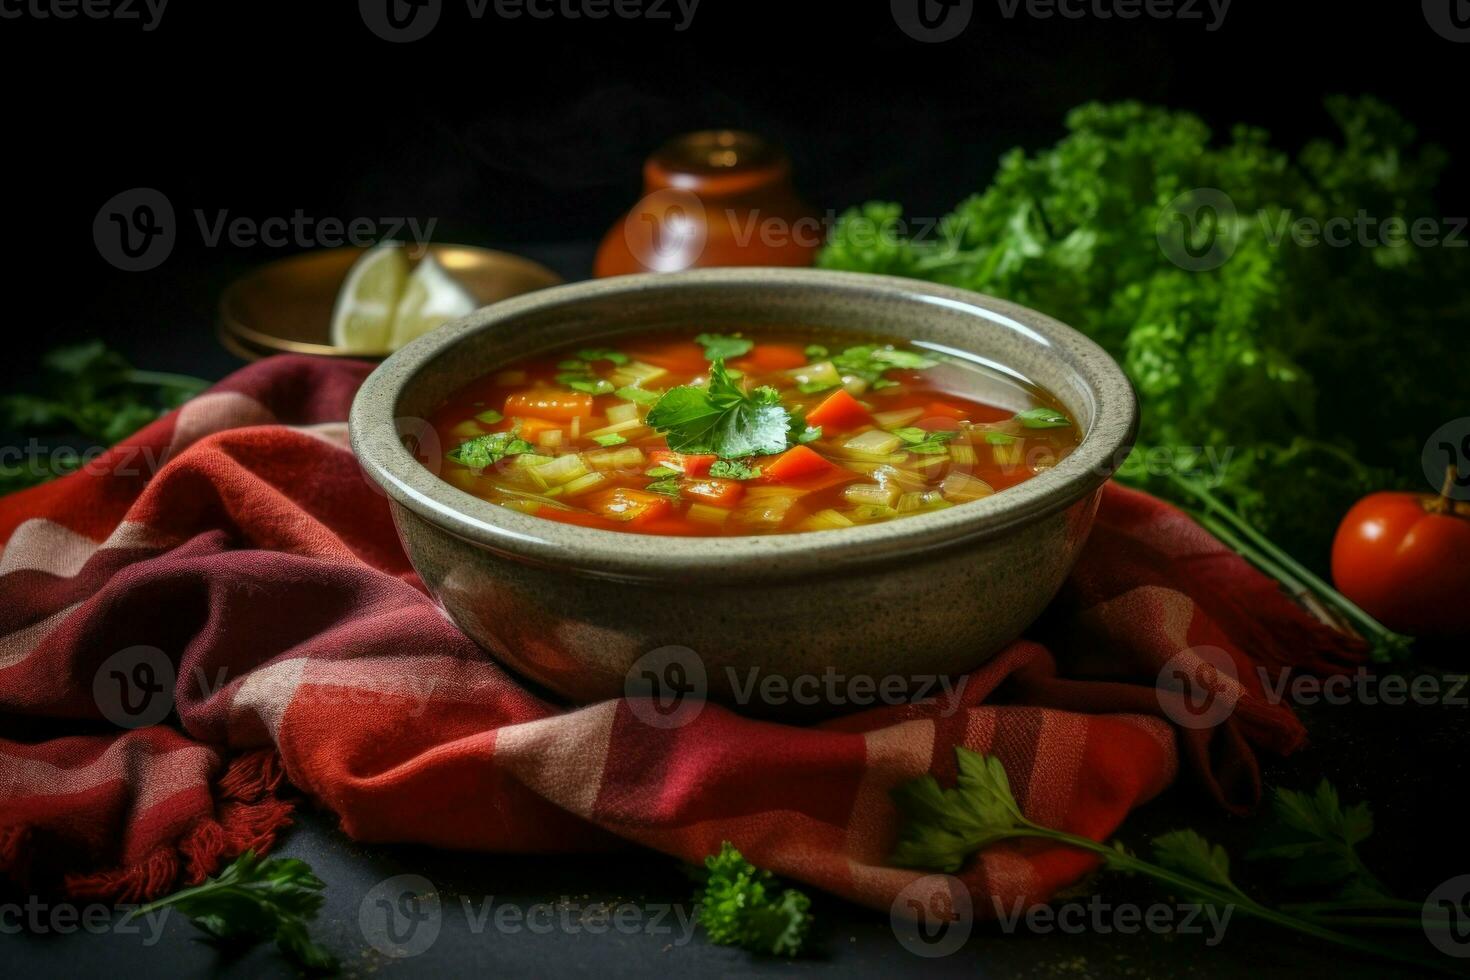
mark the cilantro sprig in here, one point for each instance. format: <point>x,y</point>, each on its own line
<point>870,361</point>
<point>253,900</point>
<point>724,419</point>
<point>742,905</point>
<point>942,828</point>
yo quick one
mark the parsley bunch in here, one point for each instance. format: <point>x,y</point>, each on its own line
<point>1314,837</point>
<point>91,392</point>
<point>741,905</point>
<point>1313,371</point>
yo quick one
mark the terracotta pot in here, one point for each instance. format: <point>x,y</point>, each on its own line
<point>712,198</point>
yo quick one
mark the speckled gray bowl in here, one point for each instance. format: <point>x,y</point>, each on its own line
<point>582,610</point>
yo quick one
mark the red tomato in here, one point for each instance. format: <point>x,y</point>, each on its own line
<point>1405,558</point>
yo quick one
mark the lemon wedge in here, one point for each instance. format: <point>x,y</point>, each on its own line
<point>362,320</point>
<point>431,299</point>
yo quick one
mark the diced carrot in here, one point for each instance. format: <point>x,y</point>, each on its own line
<point>530,428</point>
<point>549,404</point>
<point>692,465</point>
<point>674,525</point>
<point>574,517</point>
<point>797,463</point>
<point>628,505</point>
<point>838,412</point>
<point>775,357</point>
<point>944,410</point>
<point>686,357</point>
<point>722,493</point>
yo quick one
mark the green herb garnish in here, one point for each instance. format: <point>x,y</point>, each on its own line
<point>660,472</point>
<point>489,417</point>
<point>667,487</point>
<point>611,439</point>
<point>91,391</point>
<point>253,900</point>
<point>812,387</point>
<point>923,441</point>
<point>734,469</point>
<point>723,419</point>
<point>869,361</point>
<point>491,448</point>
<point>999,439</point>
<point>1042,417</point>
<point>719,347</point>
<point>588,384</point>
<point>637,395</point>
<point>603,354</point>
<point>742,905</point>
<point>816,352</point>
<point>942,828</point>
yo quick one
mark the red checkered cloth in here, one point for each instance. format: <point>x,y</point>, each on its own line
<point>234,553</point>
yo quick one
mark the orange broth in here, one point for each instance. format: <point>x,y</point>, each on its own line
<point>903,430</point>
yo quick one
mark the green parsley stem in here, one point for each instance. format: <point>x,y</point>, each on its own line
<point>1261,551</point>
<point>165,379</point>
<point>1219,895</point>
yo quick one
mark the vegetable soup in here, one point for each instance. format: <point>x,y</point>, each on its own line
<point>716,434</point>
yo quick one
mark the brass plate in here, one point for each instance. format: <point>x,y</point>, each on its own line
<point>286,306</point>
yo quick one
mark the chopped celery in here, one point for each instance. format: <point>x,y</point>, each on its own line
<point>959,487</point>
<point>874,441</point>
<point>871,493</point>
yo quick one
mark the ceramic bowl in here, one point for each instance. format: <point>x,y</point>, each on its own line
<point>593,614</point>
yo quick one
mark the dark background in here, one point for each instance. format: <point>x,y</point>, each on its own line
<point>528,135</point>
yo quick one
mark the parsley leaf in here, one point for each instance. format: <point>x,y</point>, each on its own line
<point>489,416</point>
<point>637,395</point>
<point>491,448</point>
<point>816,352</point>
<point>668,487</point>
<point>719,347</point>
<point>734,469</point>
<point>869,361</point>
<point>722,418</point>
<point>1042,417</point>
<point>586,383</point>
<point>253,899</point>
<point>1315,839</point>
<point>742,905</point>
<point>999,439</point>
<point>602,354</point>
